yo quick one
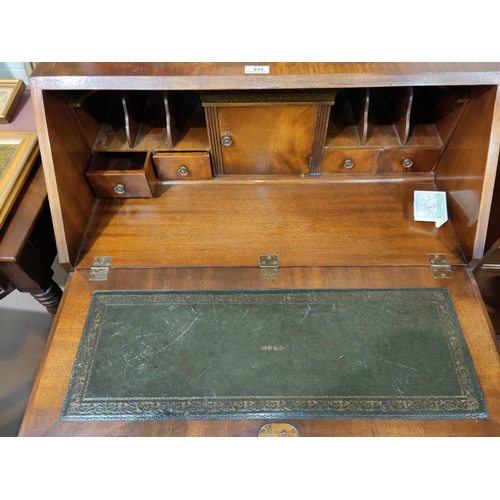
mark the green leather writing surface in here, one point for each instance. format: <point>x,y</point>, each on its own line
<point>381,353</point>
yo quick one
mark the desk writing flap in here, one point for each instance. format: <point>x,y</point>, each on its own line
<point>367,303</point>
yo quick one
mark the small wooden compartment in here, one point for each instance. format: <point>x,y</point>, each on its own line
<point>407,160</point>
<point>112,120</point>
<point>402,129</point>
<point>183,166</point>
<point>250,132</point>
<point>349,160</point>
<point>122,175</point>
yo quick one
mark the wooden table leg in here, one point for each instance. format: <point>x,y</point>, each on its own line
<point>27,245</point>
<point>50,298</point>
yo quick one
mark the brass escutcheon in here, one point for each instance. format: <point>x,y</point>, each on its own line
<point>278,429</point>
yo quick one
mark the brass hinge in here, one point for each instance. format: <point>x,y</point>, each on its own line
<point>269,269</point>
<point>440,265</point>
<point>100,268</point>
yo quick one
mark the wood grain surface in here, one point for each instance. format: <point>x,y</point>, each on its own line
<point>467,169</point>
<point>199,225</point>
<point>267,139</point>
<point>282,75</point>
<point>70,196</point>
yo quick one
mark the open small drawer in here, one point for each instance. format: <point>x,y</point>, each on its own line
<point>122,175</point>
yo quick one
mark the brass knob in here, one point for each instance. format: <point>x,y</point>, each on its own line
<point>183,170</point>
<point>348,163</point>
<point>119,188</point>
<point>226,141</point>
<point>407,163</point>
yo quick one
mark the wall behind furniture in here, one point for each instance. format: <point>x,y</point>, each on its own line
<point>15,70</point>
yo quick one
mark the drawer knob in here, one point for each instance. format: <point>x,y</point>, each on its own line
<point>407,163</point>
<point>226,141</point>
<point>119,188</point>
<point>348,163</point>
<point>183,170</point>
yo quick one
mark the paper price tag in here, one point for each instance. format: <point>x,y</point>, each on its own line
<point>255,70</point>
<point>430,206</point>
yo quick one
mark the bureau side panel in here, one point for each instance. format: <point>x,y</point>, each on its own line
<point>467,169</point>
<point>65,158</point>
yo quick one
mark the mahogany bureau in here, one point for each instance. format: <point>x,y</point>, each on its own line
<point>171,176</point>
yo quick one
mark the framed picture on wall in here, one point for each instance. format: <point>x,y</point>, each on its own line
<point>29,67</point>
<point>18,152</point>
<point>11,92</point>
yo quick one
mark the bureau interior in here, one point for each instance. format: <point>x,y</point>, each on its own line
<point>323,177</point>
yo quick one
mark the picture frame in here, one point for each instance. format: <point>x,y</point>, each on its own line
<point>11,92</point>
<point>29,67</point>
<point>18,152</point>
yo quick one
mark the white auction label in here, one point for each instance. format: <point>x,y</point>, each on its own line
<point>430,206</point>
<point>263,70</point>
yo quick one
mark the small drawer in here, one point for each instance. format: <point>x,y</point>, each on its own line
<point>183,166</point>
<point>122,175</point>
<point>407,160</point>
<point>347,160</point>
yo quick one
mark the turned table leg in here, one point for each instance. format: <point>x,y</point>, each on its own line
<point>50,298</point>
